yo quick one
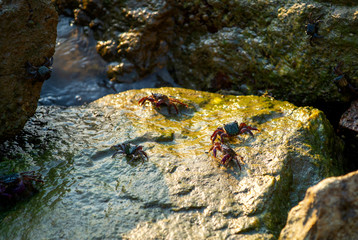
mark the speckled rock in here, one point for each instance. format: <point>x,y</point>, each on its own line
<point>348,130</point>
<point>27,34</point>
<point>328,211</point>
<point>349,119</point>
<point>181,192</point>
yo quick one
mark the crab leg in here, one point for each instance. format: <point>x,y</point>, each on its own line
<point>177,101</point>
<point>218,131</point>
<point>237,162</point>
<point>176,109</point>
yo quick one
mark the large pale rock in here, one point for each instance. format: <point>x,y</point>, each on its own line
<point>27,34</point>
<point>181,192</point>
<point>328,211</point>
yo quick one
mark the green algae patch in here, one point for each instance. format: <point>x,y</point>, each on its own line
<point>181,190</point>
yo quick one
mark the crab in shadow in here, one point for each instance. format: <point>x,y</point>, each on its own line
<point>343,80</point>
<point>17,186</point>
<point>312,28</point>
<point>42,72</point>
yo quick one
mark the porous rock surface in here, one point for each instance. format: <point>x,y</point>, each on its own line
<point>328,211</point>
<point>181,191</point>
<point>27,34</point>
<point>348,129</point>
<point>349,119</point>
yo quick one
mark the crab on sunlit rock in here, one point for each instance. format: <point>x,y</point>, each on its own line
<point>17,186</point>
<point>232,129</point>
<point>228,154</point>
<point>130,150</point>
<point>158,99</point>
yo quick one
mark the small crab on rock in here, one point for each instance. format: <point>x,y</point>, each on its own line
<point>232,129</point>
<point>343,80</point>
<point>41,73</point>
<point>158,99</point>
<point>228,154</point>
<point>17,186</point>
<point>312,28</point>
<point>130,150</point>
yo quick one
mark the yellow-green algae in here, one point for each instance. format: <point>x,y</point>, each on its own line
<point>314,141</point>
<point>181,191</point>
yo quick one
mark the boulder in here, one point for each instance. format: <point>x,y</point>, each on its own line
<point>201,42</point>
<point>27,36</point>
<point>181,191</point>
<point>348,130</point>
<point>328,211</point>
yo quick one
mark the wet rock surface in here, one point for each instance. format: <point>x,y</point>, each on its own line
<point>181,191</point>
<point>328,211</point>
<point>28,34</point>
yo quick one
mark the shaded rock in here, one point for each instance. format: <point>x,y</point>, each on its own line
<point>27,34</point>
<point>328,211</point>
<point>349,119</point>
<point>267,51</point>
<point>81,17</point>
<point>348,129</point>
<point>181,192</point>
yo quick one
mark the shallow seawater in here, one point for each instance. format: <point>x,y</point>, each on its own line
<point>79,72</point>
<point>87,194</point>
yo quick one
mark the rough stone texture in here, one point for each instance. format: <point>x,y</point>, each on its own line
<point>27,33</point>
<point>348,129</point>
<point>181,192</point>
<point>328,211</point>
<point>256,46</point>
<point>349,119</point>
<point>270,50</point>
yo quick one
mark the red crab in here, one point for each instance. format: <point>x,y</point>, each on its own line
<point>229,154</point>
<point>158,99</point>
<point>232,129</point>
<point>17,186</point>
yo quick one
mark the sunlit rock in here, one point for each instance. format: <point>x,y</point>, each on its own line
<point>181,191</point>
<point>328,211</point>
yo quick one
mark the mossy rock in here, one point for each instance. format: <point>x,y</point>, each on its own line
<point>182,191</point>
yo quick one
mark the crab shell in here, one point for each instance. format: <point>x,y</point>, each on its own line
<point>232,128</point>
<point>44,72</point>
<point>311,29</point>
<point>131,148</point>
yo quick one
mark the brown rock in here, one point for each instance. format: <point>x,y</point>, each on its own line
<point>27,34</point>
<point>328,211</point>
<point>349,119</point>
